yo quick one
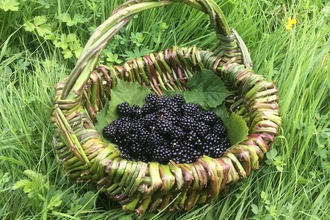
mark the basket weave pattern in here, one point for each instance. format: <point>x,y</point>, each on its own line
<point>146,187</point>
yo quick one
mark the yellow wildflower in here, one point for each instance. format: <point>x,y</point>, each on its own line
<point>290,23</point>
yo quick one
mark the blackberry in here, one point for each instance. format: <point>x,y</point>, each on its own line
<point>190,108</point>
<point>178,99</point>
<point>110,131</point>
<point>187,122</point>
<point>149,121</point>
<point>211,139</point>
<point>143,135</point>
<point>147,108</point>
<point>125,119</point>
<point>210,118</point>
<point>161,102</point>
<point>136,150</point>
<point>162,154</point>
<point>177,133</point>
<point>151,99</point>
<point>124,109</point>
<point>165,115</point>
<point>164,126</point>
<point>226,142</point>
<point>173,107</point>
<point>220,130</point>
<point>165,129</point>
<point>191,137</point>
<point>201,128</point>
<point>124,129</point>
<point>136,111</point>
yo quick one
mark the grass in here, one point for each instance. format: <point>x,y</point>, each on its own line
<point>293,182</point>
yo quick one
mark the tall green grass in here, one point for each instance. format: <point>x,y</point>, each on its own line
<point>293,182</point>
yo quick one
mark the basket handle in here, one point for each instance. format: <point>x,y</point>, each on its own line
<point>101,36</point>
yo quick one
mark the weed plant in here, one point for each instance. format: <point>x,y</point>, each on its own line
<point>289,42</point>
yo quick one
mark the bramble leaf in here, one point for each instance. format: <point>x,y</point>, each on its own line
<point>236,126</point>
<point>206,88</point>
<point>133,93</point>
<point>100,117</point>
<point>171,93</point>
<point>222,112</point>
<point>237,129</point>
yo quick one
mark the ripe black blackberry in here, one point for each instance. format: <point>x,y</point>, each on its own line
<point>220,130</point>
<point>165,129</point>
<point>173,107</point>
<point>147,108</point>
<point>164,126</point>
<point>161,102</point>
<point>151,98</point>
<point>190,109</point>
<point>136,111</point>
<point>187,122</point>
<point>109,131</point>
<point>124,109</point>
<point>210,118</point>
<point>178,99</point>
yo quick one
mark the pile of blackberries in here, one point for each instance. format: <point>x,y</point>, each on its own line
<point>165,129</point>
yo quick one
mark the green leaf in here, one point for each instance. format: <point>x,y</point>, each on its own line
<point>136,53</point>
<point>77,18</point>
<point>271,154</point>
<point>222,112</point>
<point>237,129</point>
<point>44,29</point>
<point>39,20</point>
<point>88,200</point>
<point>207,88</point>
<point>44,3</point>
<point>65,17</point>
<point>126,217</point>
<point>21,183</point>
<point>9,5</point>
<point>67,53</point>
<point>55,199</point>
<point>33,185</point>
<point>100,117</point>
<point>62,42</point>
<point>39,25</point>
<point>69,44</point>
<point>34,176</point>
<point>132,93</point>
<point>255,209</point>
<point>29,26</point>
<point>170,93</point>
<point>74,44</point>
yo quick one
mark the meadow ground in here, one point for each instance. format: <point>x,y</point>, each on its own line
<point>289,42</point>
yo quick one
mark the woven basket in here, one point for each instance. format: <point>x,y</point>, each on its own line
<point>147,187</point>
